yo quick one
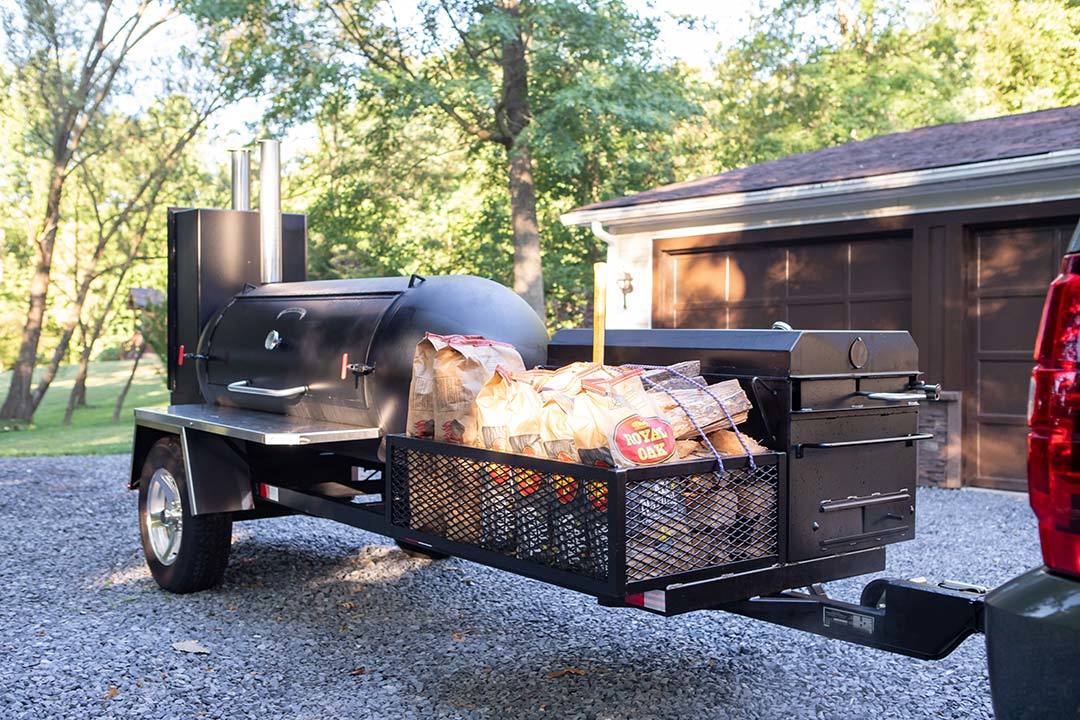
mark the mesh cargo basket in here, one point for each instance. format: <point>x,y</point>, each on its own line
<point>600,530</point>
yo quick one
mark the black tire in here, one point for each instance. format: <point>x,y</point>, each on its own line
<point>205,540</point>
<point>420,552</point>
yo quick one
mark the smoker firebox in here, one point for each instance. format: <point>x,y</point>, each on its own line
<point>842,405</point>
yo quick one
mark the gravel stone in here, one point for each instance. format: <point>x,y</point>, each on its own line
<point>306,603</point>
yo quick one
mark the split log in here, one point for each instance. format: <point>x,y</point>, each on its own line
<point>703,407</point>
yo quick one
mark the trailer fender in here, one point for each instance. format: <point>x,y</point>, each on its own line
<point>218,474</point>
<point>144,439</point>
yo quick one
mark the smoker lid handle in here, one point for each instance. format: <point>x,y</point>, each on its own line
<point>244,387</point>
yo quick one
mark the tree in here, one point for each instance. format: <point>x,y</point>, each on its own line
<point>122,192</point>
<point>812,73</point>
<point>511,79</point>
<point>66,70</point>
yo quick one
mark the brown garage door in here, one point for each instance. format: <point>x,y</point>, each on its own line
<point>1008,271</point>
<point>830,285</point>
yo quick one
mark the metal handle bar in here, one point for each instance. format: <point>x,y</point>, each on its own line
<point>244,387</point>
<point>894,396</point>
<point>909,439</point>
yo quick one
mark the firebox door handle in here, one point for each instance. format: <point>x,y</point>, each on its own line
<point>244,387</point>
<point>894,396</point>
<point>908,439</point>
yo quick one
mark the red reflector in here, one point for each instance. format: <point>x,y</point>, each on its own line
<point>344,365</point>
<point>635,599</point>
<point>1061,549</point>
<point>1053,466</point>
<point>180,357</point>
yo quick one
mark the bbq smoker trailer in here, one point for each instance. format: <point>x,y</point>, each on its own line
<point>289,396</point>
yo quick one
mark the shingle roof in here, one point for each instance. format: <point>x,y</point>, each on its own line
<point>930,147</point>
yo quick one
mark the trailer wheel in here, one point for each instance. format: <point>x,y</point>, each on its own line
<point>420,552</point>
<point>185,552</point>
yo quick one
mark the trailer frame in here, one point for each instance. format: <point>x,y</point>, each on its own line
<point>222,449</point>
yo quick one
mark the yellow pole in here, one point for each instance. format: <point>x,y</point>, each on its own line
<point>599,315</point>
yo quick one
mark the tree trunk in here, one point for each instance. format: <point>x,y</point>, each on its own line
<point>127,385</point>
<point>19,403</point>
<point>528,271</point>
<point>79,389</point>
<point>80,393</point>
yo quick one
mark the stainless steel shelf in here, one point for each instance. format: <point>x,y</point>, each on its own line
<point>260,427</point>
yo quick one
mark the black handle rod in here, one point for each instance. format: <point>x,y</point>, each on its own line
<point>908,439</point>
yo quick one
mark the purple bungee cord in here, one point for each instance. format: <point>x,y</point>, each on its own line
<point>738,434</point>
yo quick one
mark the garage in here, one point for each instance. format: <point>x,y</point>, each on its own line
<point>950,232</point>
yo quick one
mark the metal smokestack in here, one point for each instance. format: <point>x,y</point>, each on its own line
<point>241,179</point>
<point>270,209</point>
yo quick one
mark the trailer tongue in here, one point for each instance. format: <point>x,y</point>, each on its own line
<point>290,398</point>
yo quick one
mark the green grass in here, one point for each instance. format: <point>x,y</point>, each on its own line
<point>92,431</point>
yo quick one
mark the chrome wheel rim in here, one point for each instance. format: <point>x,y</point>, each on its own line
<point>164,516</point>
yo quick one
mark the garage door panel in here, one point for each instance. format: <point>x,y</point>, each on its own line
<point>817,269</point>
<point>757,273</point>
<point>703,316</point>
<point>1006,323</point>
<point>1018,257</point>
<point>818,316</point>
<point>1002,452</point>
<point>881,314</point>
<point>881,266</point>
<point>755,317</point>
<point>1003,387</point>
<point>1008,272</point>
<point>700,277</point>
<point>812,285</point>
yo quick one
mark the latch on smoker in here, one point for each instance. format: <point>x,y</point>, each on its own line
<point>358,370</point>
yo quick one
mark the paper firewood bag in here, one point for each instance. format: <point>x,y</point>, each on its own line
<point>462,367</point>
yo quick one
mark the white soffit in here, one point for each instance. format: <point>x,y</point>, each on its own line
<point>1032,178</point>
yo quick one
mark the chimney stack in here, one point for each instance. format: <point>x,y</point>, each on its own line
<point>270,210</point>
<point>241,179</point>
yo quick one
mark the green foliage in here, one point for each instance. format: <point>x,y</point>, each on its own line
<point>811,74</point>
<point>398,183</point>
<point>154,325</point>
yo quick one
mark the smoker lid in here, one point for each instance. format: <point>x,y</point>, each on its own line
<point>801,353</point>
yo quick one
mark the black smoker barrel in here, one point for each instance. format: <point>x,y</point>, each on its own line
<point>342,350</point>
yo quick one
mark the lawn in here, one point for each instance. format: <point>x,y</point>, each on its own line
<point>92,431</point>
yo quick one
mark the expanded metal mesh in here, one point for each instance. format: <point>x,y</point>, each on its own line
<point>673,525</point>
<point>685,523</point>
<point>554,520</point>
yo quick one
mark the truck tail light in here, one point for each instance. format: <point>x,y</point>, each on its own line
<point>1053,452</point>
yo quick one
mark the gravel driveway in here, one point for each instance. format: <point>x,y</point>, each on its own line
<point>317,620</point>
